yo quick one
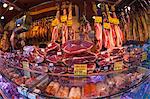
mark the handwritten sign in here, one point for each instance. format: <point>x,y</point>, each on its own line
<point>80,69</point>
<point>118,65</point>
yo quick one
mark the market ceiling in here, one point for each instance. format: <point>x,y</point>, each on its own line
<point>21,6</point>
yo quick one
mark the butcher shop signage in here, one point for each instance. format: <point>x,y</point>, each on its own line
<point>80,69</point>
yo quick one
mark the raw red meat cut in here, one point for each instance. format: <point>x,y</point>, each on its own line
<point>58,68</point>
<point>103,55</point>
<point>91,67</point>
<point>52,46</point>
<point>76,46</point>
<point>84,57</point>
<point>104,62</point>
<point>53,58</point>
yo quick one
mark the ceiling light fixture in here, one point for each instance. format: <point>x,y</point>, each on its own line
<point>11,8</point>
<point>99,5</point>
<point>2,17</point>
<point>18,25</point>
<point>129,8</point>
<point>93,17</point>
<point>5,5</point>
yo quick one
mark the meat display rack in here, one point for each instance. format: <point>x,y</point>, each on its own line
<point>72,75</point>
<point>30,90</point>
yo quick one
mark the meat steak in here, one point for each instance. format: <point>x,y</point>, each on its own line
<point>52,46</point>
<point>76,46</point>
<point>84,57</point>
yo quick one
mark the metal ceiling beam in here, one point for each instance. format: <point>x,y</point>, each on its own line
<point>43,3</point>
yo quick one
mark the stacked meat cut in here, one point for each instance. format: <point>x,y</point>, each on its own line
<point>78,52</point>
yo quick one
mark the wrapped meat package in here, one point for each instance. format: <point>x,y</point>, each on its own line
<point>102,89</point>
<point>52,88</point>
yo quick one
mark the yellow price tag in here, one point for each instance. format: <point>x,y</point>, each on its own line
<point>144,56</point>
<point>98,19</point>
<point>64,18</point>
<point>107,25</point>
<point>69,23</point>
<point>25,64</point>
<point>111,20</point>
<point>118,65</point>
<point>80,69</point>
<point>55,22</point>
<point>116,21</point>
<point>35,28</point>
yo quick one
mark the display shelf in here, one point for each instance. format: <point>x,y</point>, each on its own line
<point>71,75</point>
<point>128,88</point>
<point>144,78</point>
<point>109,96</point>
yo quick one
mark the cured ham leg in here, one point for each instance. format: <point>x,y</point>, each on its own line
<point>64,30</point>
<point>87,31</point>
<point>71,30</point>
<point>64,33</point>
<point>112,35</point>
<point>55,34</point>
<point>118,31</point>
<point>98,29</point>
<point>55,29</point>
